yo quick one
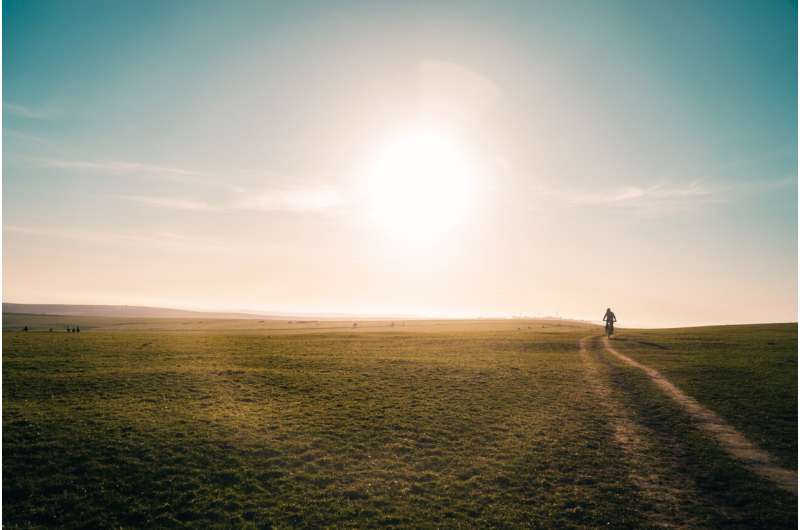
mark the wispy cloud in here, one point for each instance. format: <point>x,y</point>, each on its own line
<point>658,198</point>
<point>664,198</point>
<point>693,191</point>
<point>295,200</point>
<point>31,113</point>
<point>282,199</point>
<point>116,167</point>
<point>164,240</point>
<point>172,173</point>
<point>279,200</point>
<point>171,203</point>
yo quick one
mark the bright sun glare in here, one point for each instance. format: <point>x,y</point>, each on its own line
<point>419,186</point>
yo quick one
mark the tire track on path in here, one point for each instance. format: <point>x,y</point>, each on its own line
<point>670,496</point>
<point>731,440</point>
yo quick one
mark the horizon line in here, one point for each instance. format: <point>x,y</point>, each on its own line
<point>330,315</point>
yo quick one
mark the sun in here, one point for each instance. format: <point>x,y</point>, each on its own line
<point>419,186</point>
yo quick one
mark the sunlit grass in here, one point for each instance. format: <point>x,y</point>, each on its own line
<point>415,429</point>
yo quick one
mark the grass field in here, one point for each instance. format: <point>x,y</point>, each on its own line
<point>748,374</point>
<point>427,424</point>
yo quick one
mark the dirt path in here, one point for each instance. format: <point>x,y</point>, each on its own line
<point>731,440</point>
<point>669,496</point>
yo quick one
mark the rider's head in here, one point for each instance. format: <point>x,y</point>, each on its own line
<point>608,310</point>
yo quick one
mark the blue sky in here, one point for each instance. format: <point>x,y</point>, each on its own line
<point>641,155</point>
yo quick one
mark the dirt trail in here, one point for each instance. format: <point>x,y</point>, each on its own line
<point>670,497</point>
<point>731,440</point>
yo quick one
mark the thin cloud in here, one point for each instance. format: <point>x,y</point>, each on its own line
<point>293,200</point>
<point>283,200</point>
<point>658,199</point>
<point>30,113</point>
<point>172,173</point>
<point>171,203</point>
<point>116,167</point>
<point>166,240</point>
<point>275,200</point>
<point>614,197</point>
<point>665,198</point>
<point>629,195</point>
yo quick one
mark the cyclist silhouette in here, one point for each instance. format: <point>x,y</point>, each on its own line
<point>609,318</point>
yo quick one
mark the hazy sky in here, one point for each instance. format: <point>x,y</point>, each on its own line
<point>223,155</point>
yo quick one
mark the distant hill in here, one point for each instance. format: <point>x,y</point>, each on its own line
<point>134,311</point>
<point>137,311</point>
<point>117,311</point>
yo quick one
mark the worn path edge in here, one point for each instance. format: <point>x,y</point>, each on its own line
<point>731,440</point>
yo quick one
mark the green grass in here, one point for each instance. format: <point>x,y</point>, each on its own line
<point>747,374</point>
<point>732,496</point>
<point>482,426</point>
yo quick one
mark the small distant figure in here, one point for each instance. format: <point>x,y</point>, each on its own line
<point>25,328</point>
<point>392,324</point>
<point>51,330</point>
<point>77,329</point>
<point>355,324</point>
<point>609,318</point>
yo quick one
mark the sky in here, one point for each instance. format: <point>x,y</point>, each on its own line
<point>456,159</point>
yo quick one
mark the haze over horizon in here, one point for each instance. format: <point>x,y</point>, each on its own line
<point>441,160</point>
<point>255,313</point>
